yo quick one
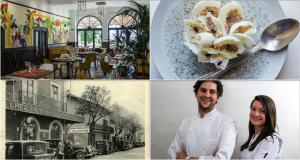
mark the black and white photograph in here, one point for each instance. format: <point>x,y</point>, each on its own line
<point>54,119</point>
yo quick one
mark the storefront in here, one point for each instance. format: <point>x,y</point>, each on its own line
<point>36,116</point>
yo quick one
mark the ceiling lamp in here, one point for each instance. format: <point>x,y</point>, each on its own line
<point>81,6</point>
<point>101,9</point>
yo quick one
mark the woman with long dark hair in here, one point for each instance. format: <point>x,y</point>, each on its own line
<point>263,141</point>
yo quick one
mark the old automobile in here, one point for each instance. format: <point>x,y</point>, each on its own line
<point>73,151</point>
<point>28,149</point>
<point>90,152</point>
<point>56,146</point>
<point>100,147</point>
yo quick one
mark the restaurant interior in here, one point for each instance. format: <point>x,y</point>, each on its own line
<point>75,39</point>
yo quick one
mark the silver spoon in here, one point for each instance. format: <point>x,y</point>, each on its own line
<point>275,37</point>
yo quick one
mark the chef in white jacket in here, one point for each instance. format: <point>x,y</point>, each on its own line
<point>209,134</point>
<point>263,141</point>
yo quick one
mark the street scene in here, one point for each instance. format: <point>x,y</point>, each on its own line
<point>55,119</point>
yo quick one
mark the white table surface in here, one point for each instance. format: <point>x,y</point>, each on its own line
<point>291,67</point>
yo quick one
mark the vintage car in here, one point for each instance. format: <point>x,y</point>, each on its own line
<point>138,144</point>
<point>73,151</point>
<point>54,145</point>
<point>28,149</point>
<point>100,147</point>
<point>122,145</point>
<point>90,152</point>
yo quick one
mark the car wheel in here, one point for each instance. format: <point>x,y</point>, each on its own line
<point>80,155</point>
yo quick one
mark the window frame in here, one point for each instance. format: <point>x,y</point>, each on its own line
<point>85,30</point>
<point>120,29</point>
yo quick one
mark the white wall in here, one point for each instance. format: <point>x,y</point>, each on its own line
<point>43,5</point>
<point>172,101</point>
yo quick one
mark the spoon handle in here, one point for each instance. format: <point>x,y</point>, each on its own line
<point>219,72</point>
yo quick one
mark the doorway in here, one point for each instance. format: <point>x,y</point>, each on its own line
<point>40,43</point>
<point>2,38</point>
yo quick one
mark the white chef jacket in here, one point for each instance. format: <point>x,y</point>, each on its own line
<point>213,136</point>
<point>268,148</point>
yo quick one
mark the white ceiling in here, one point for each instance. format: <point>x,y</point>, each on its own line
<point>92,3</point>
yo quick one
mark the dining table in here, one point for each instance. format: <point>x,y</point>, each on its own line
<point>69,62</point>
<point>115,62</point>
<point>82,54</point>
<point>29,74</point>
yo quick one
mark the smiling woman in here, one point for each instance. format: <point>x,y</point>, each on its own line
<point>263,141</point>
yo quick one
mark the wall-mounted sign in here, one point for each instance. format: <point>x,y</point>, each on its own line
<point>31,108</point>
<point>83,129</point>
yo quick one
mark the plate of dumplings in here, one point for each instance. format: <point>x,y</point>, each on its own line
<point>190,38</point>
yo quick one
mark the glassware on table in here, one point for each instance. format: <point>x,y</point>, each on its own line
<point>28,66</point>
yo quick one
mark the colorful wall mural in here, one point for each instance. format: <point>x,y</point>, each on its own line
<point>19,21</point>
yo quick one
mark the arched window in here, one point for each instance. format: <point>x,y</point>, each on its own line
<point>89,32</point>
<point>122,32</point>
<point>55,130</point>
<point>29,129</point>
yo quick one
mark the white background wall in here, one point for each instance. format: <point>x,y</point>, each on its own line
<point>172,101</point>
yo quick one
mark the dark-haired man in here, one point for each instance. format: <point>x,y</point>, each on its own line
<point>209,134</point>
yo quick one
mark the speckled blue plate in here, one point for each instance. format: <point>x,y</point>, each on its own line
<point>175,61</point>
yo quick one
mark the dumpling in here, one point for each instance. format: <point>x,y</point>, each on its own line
<point>245,39</point>
<point>194,26</point>
<point>229,46</point>
<point>205,56</point>
<point>213,25</point>
<point>199,40</point>
<point>244,27</point>
<point>230,14</point>
<point>220,63</point>
<point>193,47</point>
<point>204,7</point>
<point>204,39</point>
<point>217,59</point>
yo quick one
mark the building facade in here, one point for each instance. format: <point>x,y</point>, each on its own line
<point>37,110</point>
<point>104,128</point>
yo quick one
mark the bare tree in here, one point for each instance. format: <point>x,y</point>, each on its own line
<point>133,125</point>
<point>119,116</point>
<point>94,102</point>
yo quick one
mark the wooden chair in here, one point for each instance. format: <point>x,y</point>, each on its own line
<point>81,49</point>
<point>93,56</point>
<point>86,65</point>
<point>105,67</point>
<point>56,67</point>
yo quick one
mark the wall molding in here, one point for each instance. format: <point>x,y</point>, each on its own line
<point>35,9</point>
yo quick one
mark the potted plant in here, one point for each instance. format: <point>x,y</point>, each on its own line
<point>140,12</point>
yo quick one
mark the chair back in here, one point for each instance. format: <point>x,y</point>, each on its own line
<point>65,55</point>
<point>87,62</point>
<point>105,67</point>
<point>92,56</point>
<point>81,49</point>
